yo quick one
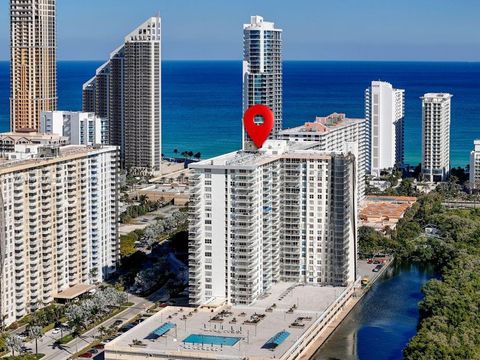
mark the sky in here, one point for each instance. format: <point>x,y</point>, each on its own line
<point>440,30</point>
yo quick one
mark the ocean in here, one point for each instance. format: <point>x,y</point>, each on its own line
<point>202,100</point>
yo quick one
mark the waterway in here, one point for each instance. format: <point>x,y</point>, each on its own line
<point>384,321</point>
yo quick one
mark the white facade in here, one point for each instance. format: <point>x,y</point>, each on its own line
<point>475,166</point>
<point>384,112</point>
<point>59,218</point>
<point>82,128</point>
<point>436,113</point>
<point>287,213</point>
<point>335,133</point>
<point>262,71</point>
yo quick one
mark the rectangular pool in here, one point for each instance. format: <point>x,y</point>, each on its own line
<point>211,340</point>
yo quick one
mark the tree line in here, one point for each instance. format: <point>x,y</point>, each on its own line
<point>449,325</point>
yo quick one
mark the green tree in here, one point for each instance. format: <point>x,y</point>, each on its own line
<point>35,332</point>
<point>14,343</point>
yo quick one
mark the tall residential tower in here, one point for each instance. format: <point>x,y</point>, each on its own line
<point>262,71</point>
<point>335,133</point>
<point>284,214</point>
<point>126,90</point>
<point>59,211</point>
<point>384,112</point>
<point>436,136</point>
<point>33,74</point>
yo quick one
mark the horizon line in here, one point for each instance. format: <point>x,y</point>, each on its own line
<point>286,60</point>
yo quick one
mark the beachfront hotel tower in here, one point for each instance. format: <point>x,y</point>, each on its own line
<point>262,71</point>
<point>286,213</point>
<point>436,113</point>
<point>384,113</point>
<point>33,71</point>
<point>126,91</point>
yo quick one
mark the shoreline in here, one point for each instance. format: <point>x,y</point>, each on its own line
<point>317,343</point>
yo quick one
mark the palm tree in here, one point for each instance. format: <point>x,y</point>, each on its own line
<point>14,342</point>
<point>197,155</point>
<point>102,332</point>
<point>190,154</point>
<point>175,151</point>
<point>143,199</point>
<point>35,332</point>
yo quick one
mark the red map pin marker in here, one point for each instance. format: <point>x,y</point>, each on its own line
<point>258,132</point>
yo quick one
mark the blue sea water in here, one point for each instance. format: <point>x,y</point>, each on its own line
<point>202,105</point>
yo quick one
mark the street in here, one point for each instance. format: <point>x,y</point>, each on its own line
<point>47,346</point>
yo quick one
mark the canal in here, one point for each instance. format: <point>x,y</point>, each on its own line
<point>384,321</point>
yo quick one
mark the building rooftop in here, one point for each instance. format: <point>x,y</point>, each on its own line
<point>381,211</point>
<point>323,125</point>
<point>289,307</point>
<point>73,292</point>
<point>436,96</point>
<point>257,22</point>
<point>48,155</point>
<point>271,150</point>
<point>32,136</point>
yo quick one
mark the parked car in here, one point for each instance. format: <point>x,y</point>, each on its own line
<point>93,351</point>
<point>86,355</point>
<point>126,327</point>
<point>117,322</point>
<point>377,268</point>
<point>56,331</point>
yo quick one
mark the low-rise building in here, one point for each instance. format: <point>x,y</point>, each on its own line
<point>382,212</point>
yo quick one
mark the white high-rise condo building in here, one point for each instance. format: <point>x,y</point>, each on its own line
<point>335,133</point>
<point>436,114</point>
<point>80,127</point>
<point>262,71</point>
<point>127,91</point>
<point>33,70</point>
<point>286,213</point>
<point>385,113</point>
<point>475,166</point>
<point>59,213</point>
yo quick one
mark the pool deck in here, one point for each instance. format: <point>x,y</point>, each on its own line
<point>310,303</point>
<point>317,311</point>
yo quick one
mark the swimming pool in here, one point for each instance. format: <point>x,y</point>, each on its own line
<point>211,340</point>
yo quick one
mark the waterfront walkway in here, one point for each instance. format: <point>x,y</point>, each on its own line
<point>364,270</point>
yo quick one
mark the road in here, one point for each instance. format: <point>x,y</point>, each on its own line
<point>47,346</point>
<point>143,221</point>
